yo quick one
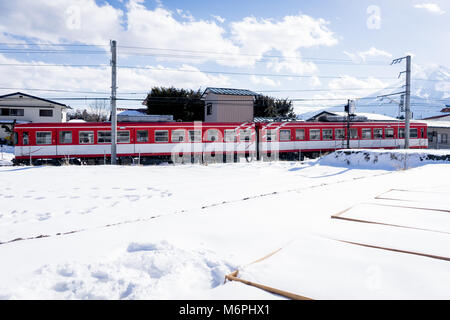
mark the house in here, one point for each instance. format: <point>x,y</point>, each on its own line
<point>438,134</point>
<point>20,107</point>
<point>228,105</point>
<point>330,116</point>
<point>445,116</point>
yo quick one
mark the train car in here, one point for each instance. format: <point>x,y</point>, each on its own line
<point>292,140</point>
<point>149,142</point>
<point>203,142</point>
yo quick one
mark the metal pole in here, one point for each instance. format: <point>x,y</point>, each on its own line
<point>407,101</point>
<point>113,102</point>
<point>348,125</point>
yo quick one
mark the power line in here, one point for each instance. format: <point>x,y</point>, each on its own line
<point>203,71</point>
<point>261,58</point>
<point>53,44</point>
<point>147,92</point>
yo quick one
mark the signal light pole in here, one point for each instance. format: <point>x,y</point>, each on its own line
<point>350,109</point>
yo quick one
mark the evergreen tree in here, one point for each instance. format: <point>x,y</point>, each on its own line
<point>266,106</point>
<point>184,105</point>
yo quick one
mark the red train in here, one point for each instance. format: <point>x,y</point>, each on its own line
<point>197,141</point>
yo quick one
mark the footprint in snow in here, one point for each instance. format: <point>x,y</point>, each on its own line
<point>43,216</point>
<point>66,272</point>
<point>61,287</point>
<point>100,276</point>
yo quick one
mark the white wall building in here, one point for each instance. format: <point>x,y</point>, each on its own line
<point>23,108</point>
<point>228,105</point>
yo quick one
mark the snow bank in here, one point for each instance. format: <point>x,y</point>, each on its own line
<point>6,155</point>
<point>142,271</point>
<point>385,159</point>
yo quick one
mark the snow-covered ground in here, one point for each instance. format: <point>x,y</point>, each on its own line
<point>174,232</point>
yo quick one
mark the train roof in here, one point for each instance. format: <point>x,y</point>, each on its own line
<point>209,124</point>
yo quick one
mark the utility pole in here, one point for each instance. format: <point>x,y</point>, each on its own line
<point>407,101</point>
<point>407,96</point>
<point>113,102</point>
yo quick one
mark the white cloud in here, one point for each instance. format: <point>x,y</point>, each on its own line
<point>315,82</point>
<point>265,81</point>
<point>99,79</point>
<point>86,21</point>
<point>363,55</point>
<point>431,7</point>
<point>287,36</point>
<point>64,20</point>
<point>342,89</point>
<point>348,82</point>
<point>218,18</point>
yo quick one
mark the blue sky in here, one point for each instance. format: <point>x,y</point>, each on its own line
<point>254,37</point>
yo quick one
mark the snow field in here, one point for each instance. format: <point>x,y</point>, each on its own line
<point>212,220</point>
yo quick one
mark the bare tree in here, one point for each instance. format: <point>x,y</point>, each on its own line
<point>99,111</point>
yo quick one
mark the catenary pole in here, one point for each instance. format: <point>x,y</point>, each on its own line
<point>113,102</point>
<point>407,101</point>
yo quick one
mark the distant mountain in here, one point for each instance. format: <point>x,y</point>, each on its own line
<point>428,98</point>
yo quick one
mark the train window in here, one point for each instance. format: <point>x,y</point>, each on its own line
<point>401,133</point>
<point>444,138</point>
<point>314,134</point>
<point>367,133</point>
<point>86,137</point>
<point>212,135</point>
<point>300,134</point>
<point>245,135</point>
<point>123,136</point>
<point>389,133</point>
<point>195,135</point>
<point>378,133</point>
<point>16,138</point>
<point>65,137</point>
<point>413,133</point>
<point>354,134</point>
<point>43,137</point>
<point>327,134</point>
<point>142,135</point>
<point>422,133</point>
<point>161,136</point>
<point>104,137</point>
<point>178,135</point>
<point>339,134</point>
<point>271,135</point>
<point>230,135</point>
<point>25,138</point>
<point>285,135</point>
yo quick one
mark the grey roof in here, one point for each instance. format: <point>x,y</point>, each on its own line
<point>230,91</point>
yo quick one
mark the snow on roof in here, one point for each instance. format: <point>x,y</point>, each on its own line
<point>436,124</point>
<point>76,120</point>
<point>369,116</point>
<point>131,113</point>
